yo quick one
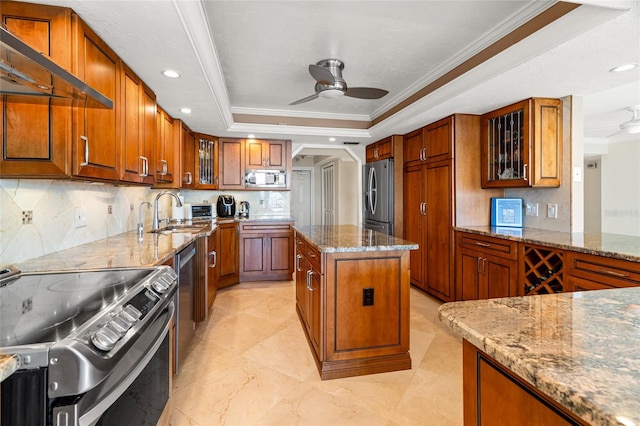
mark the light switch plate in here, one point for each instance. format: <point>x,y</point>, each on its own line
<point>79,217</point>
<point>552,211</point>
<point>532,209</point>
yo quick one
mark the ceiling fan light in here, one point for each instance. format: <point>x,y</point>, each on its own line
<point>331,93</point>
<point>631,127</point>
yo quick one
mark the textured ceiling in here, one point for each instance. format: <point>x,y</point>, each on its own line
<point>244,61</point>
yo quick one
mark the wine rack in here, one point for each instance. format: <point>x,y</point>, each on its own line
<point>542,271</point>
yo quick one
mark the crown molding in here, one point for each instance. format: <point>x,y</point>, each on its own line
<point>300,114</point>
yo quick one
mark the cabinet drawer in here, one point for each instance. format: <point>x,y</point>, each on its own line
<point>265,227</point>
<point>496,246</point>
<point>313,257</point>
<point>604,270</point>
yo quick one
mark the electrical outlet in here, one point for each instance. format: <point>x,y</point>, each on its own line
<point>367,297</point>
<point>109,209</point>
<point>552,211</point>
<point>27,217</point>
<point>532,209</point>
<point>130,207</point>
<point>79,217</point>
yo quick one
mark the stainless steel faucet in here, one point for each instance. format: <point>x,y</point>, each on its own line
<point>156,222</point>
<point>140,221</point>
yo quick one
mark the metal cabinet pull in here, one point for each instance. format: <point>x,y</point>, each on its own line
<point>614,273</point>
<point>86,151</point>
<point>145,167</point>
<point>188,178</point>
<point>484,264</point>
<point>478,243</point>
<point>215,259</point>
<point>298,257</point>
<point>309,274</point>
<point>164,168</point>
<point>524,171</point>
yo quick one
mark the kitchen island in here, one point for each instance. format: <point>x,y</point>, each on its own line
<point>352,297</point>
<point>569,358</point>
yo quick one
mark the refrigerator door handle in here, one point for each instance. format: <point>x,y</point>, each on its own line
<point>373,191</point>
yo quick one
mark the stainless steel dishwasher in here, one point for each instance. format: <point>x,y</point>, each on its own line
<point>185,264</point>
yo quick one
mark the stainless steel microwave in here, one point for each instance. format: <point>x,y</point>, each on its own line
<point>265,179</point>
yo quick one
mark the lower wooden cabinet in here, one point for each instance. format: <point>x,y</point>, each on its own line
<point>590,272</point>
<point>485,267</point>
<point>493,395</point>
<point>266,251</point>
<point>228,266</point>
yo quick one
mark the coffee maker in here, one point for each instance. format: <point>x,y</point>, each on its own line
<point>226,206</point>
<point>244,210</point>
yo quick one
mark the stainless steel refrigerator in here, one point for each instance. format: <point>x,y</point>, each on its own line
<point>378,196</point>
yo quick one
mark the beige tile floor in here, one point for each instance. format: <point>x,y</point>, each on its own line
<point>249,364</point>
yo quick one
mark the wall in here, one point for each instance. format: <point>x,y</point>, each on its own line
<point>53,201</point>
<point>621,188</point>
<point>560,196</point>
<point>592,196</point>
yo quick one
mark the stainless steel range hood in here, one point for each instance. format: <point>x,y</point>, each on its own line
<point>24,71</point>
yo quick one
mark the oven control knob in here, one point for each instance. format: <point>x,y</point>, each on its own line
<point>131,313</point>
<point>119,325</point>
<point>104,339</point>
<point>158,286</point>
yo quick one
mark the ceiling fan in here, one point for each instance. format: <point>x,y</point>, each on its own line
<point>632,126</point>
<point>330,84</point>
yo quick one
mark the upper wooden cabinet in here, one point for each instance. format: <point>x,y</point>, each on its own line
<point>36,132</point>
<point>380,150</point>
<point>267,154</point>
<point>167,150</point>
<point>430,143</point>
<point>522,145</point>
<point>97,131</point>
<point>414,148</point>
<point>231,160</point>
<point>138,129</point>
<point>206,161</point>
<point>188,155</point>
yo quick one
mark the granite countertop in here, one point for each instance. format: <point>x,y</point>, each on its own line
<point>624,247</point>
<point>256,218</point>
<point>351,238</point>
<point>119,251</point>
<point>8,365</point>
<point>580,349</point>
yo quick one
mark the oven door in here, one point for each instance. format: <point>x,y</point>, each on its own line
<point>136,391</point>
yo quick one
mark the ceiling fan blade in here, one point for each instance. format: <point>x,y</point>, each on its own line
<point>303,100</point>
<point>365,92</point>
<point>321,74</point>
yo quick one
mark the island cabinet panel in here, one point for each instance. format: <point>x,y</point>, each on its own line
<point>36,132</point>
<point>228,264</point>
<point>494,395</point>
<point>97,131</point>
<point>212,268</point>
<point>266,251</point>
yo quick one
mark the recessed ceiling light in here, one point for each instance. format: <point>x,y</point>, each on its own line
<point>625,67</point>
<point>185,110</point>
<point>332,139</point>
<point>251,136</point>
<point>171,73</point>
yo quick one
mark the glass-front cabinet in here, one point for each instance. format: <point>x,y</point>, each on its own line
<point>522,145</point>
<point>206,161</point>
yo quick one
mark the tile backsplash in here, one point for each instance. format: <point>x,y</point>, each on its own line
<point>109,209</point>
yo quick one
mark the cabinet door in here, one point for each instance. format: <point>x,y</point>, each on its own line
<point>206,161</point>
<point>302,292</point>
<point>212,265</point>
<point>253,250</point>
<point>439,234</point>
<point>97,136</point>
<point>134,163</point>
<point>149,132</point>
<point>500,278</point>
<point>413,147</point>
<point>468,271</point>
<point>165,150</point>
<point>255,154</point>
<point>228,265</point>
<point>371,151</point>
<point>439,140</point>
<point>231,160</point>
<point>36,132</point>
<point>414,220</point>
<point>315,307</point>
<point>279,255</point>
<point>261,154</point>
<point>188,150</point>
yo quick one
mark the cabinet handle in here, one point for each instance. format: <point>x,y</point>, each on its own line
<point>298,257</point>
<point>478,243</point>
<point>215,259</point>
<point>86,151</point>
<point>188,178</point>
<point>524,171</point>
<point>478,270</point>
<point>614,273</point>
<point>145,166</point>
<point>309,286</point>
<point>164,168</point>
<point>484,264</point>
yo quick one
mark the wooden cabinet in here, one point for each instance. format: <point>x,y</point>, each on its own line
<point>188,156</point>
<point>167,151</point>
<point>380,150</point>
<point>266,251</point>
<point>441,190</point>
<point>36,132</point>
<point>212,271</point>
<point>138,128</point>
<point>97,131</point>
<point>590,272</point>
<point>309,292</point>
<point>206,158</point>
<point>414,148</point>
<point>494,395</point>
<point>522,145</point>
<point>486,267</point>
<point>231,160</point>
<point>267,154</point>
<point>228,265</point>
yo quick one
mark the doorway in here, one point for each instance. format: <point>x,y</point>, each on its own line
<point>328,195</point>
<point>302,195</point>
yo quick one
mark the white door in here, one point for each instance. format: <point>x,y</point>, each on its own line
<point>302,196</point>
<point>328,195</point>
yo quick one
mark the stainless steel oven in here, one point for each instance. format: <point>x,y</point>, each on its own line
<point>94,346</point>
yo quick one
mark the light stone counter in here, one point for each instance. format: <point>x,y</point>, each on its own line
<point>614,246</point>
<point>580,349</point>
<point>351,238</point>
<point>8,365</point>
